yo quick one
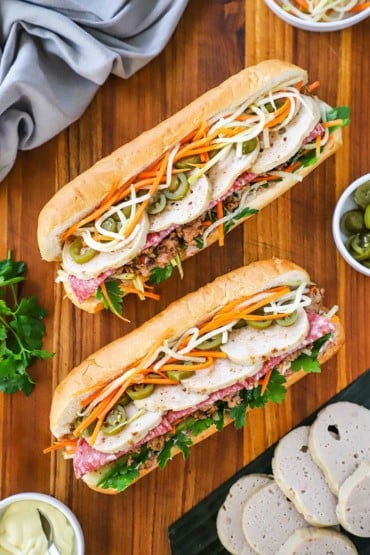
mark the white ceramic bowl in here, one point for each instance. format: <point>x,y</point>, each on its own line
<point>79,543</point>
<point>344,204</point>
<point>319,26</point>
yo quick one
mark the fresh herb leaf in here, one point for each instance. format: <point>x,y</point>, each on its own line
<point>246,212</point>
<point>181,440</point>
<point>199,242</point>
<point>21,330</point>
<point>160,274</point>
<point>239,414</point>
<point>340,112</point>
<point>276,390</point>
<point>114,293</point>
<point>309,363</point>
<point>121,475</point>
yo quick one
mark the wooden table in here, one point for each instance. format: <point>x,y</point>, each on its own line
<point>214,39</point>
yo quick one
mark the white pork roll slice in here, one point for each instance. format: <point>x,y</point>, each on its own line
<point>221,374</point>
<point>339,441</point>
<point>353,508</point>
<point>269,518</point>
<point>317,541</point>
<point>170,397</point>
<point>179,212</point>
<point>252,346</point>
<point>224,173</point>
<point>229,516</point>
<point>107,260</point>
<point>302,481</point>
<point>142,422</point>
<point>286,142</point>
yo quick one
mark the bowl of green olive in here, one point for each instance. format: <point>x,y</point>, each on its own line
<point>351,224</point>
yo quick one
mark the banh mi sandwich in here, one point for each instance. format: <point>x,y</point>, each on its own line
<point>190,370</point>
<point>124,224</point>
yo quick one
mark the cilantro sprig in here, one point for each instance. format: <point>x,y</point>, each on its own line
<point>21,330</point>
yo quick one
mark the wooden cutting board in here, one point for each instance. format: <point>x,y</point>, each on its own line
<point>215,38</point>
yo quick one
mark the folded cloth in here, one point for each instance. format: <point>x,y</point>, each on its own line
<point>54,54</point>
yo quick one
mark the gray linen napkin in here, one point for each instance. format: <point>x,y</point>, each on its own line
<point>54,54</point>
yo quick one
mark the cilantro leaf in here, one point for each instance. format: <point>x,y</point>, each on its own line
<point>239,414</point>
<point>340,112</point>
<point>181,440</point>
<point>121,474</point>
<point>115,295</point>
<point>160,274</point>
<point>21,330</point>
<point>309,363</point>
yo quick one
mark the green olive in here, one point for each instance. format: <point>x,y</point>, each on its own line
<point>140,391</point>
<point>352,221</point>
<point>178,375</point>
<point>109,224</point>
<point>249,146</point>
<point>188,162</point>
<point>367,217</point>
<point>115,420</point>
<point>362,195</point>
<point>259,324</point>
<point>157,204</point>
<point>288,320</point>
<point>211,343</point>
<point>79,253</point>
<point>178,188</point>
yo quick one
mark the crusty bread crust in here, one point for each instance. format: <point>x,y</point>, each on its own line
<point>111,360</point>
<point>91,478</point>
<point>86,191</point>
<point>262,198</point>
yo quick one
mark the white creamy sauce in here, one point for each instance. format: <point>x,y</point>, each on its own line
<point>21,532</point>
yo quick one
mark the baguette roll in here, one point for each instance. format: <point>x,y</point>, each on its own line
<point>108,410</point>
<point>156,201</point>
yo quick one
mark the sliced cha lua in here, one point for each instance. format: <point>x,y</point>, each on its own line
<point>224,173</point>
<point>284,143</point>
<point>170,397</point>
<point>179,212</point>
<point>252,346</point>
<point>103,261</point>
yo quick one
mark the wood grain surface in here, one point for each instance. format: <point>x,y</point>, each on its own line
<point>214,39</point>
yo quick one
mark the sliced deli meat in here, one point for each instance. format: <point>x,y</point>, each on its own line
<point>339,441</point>
<point>104,261</point>
<point>229,516</point>
<point>141,423</point>
<point>269,518</point>
<point>169,397</point>
<point>302,481</point>
<point>317,541</point>
<point>225,172</point>
<point>220,375</point>
<point>353,507</point>
<point>285,142</point>
<point>185,210</point>
<point>251,346</point>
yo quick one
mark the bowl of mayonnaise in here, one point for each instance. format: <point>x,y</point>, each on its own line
<point>21,531</point>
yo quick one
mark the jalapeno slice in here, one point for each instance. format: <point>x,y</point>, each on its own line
<point>178,188</point>
<point>288,320</point>
<point>259,324</point>
<point>109,224</point>
<point>178,375</point>
<point>352,222</point>
<point>367,217</point>
<point>249,146</point>
<point>140,391</point>
<point>188,162</point>
<point>157,204</point>
<point>115,420</point>
<point>211,343</point>
<point>79,253</point>
<point>362,195</point>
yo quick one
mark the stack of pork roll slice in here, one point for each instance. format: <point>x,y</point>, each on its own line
<point>320,484</point>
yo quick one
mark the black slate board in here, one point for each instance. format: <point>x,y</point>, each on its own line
<point>195,532</point>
